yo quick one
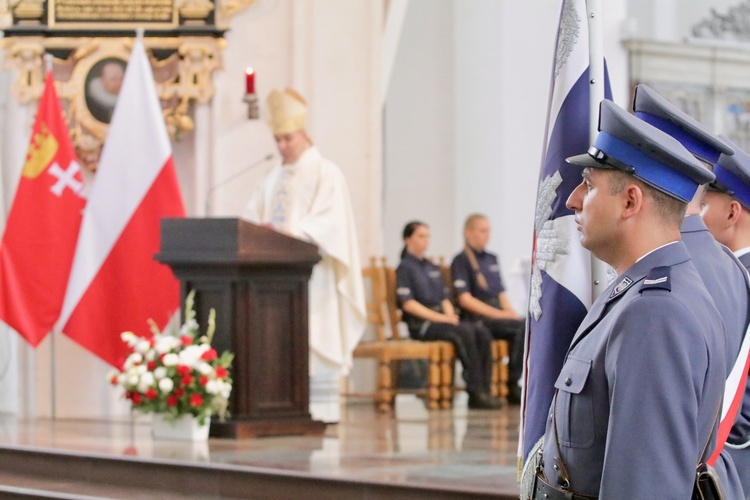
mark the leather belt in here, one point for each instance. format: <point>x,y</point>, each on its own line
<point>544,491</point>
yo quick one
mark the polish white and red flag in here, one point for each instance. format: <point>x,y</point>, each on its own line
<point>115,284</point>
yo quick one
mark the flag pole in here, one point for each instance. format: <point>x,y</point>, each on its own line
<point>596,94</point>
<point>52,383</point>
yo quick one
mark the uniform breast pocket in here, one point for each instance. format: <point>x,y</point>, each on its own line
<point>575,410</point>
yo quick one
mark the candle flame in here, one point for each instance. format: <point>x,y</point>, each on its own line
<point>249,71</point>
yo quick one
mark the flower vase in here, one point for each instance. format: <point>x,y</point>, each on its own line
<point>185,428</point>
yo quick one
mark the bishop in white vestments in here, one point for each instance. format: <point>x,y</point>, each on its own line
<point>306,196</point>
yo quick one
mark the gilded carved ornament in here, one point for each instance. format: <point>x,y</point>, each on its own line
<point>88,70</point>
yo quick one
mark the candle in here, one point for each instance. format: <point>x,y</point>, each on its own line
<point>249,81</point>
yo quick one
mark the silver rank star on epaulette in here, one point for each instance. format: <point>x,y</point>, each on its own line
<point>621,287</point>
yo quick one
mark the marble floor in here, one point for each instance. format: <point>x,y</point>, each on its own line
<point>471,450</point>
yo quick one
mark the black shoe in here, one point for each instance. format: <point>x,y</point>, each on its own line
<point>514,394</point>
<point>483,401</point>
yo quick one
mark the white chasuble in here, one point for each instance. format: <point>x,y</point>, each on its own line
<point>310,200</point>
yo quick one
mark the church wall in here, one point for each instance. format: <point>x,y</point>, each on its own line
<point>418,141</point>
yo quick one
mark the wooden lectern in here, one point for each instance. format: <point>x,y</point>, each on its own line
<point>256,280</point>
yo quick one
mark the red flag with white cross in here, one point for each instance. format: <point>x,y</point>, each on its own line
<point>36,253</point>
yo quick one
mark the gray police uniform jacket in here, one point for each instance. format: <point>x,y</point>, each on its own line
<point>723,275</point>
<point>738,444</point>
<point>725,280</point>
<point>641,384</point>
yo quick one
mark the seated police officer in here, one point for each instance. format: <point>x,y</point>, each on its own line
<point>429,315</point>
<point>481,295</point>
<point>637,399</point>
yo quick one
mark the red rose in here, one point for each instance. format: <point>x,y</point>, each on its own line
<point>196,400</point>
<point>113,380</point>
<point>183,369</point>
<point>128,395</point>
<point>161,356</point>
<point>187,380</point>
<point>136,398</point>
<point>152,342</point>
<point>203,380</point>
<point>209,355</point>
<point>172,400</point>
<point>221,372</point>
<point>186,340</point>
<point>179,392</point>
<point>151,394</point>
<point>151,365</point>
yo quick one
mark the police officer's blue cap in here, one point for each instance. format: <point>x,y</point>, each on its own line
<point>633,146</point>
<point>733,174</point>
<point>653,108</point>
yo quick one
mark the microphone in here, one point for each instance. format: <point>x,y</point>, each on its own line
<point>266,158</point>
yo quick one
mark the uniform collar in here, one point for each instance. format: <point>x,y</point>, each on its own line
<point>742,251</point>
<point>478,253</point>
<point>411,256</point>
<point>693,224</point>
<point>666,256</point>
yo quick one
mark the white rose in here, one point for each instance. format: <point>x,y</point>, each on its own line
<point>212,386</point>
<point>226,390</point>
<point>190,355</point>
<point>141,369</point>
<point>170,359</point>
<point>128,337</point>
<point>147,380</point>
<point>205,369</point>
<point>163,345</point>
<point>160,372</point>
<point>150,355</point>
<point>133,380</point>
<point>133,359</point>
<point>166,385</point>
<point>143,346</point>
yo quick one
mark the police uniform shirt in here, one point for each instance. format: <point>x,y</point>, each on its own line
<point>420,280</point>
<point>641,384</point>
<point>724,278</point>
<point>465,279</point>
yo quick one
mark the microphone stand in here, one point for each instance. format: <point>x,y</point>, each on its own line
<point>232,177</point>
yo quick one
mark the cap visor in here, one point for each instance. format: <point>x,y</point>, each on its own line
<point>586,160</point>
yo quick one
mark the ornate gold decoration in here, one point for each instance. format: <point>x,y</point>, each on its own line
<point>185,43</point>
<point>25,57</point>
<point>227,9</point>
<point>29,11</point>
<point>194,9</point>
<point>182,78</point>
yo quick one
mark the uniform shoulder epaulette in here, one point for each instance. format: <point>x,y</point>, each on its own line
<point>659,278</point>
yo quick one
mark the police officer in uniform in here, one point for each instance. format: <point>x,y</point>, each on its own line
<point>481,295</point>
<point>720,270</point>
<point>430,316</point>
<point>722,273</point>
<point>727,215</point>
<point>638,395</point>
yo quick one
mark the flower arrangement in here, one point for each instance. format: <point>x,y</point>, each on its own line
<point>176,373</point>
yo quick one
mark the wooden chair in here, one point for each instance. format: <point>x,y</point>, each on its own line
<point>447,352</point>
<point>500,356</point>
<point>386,350</point>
